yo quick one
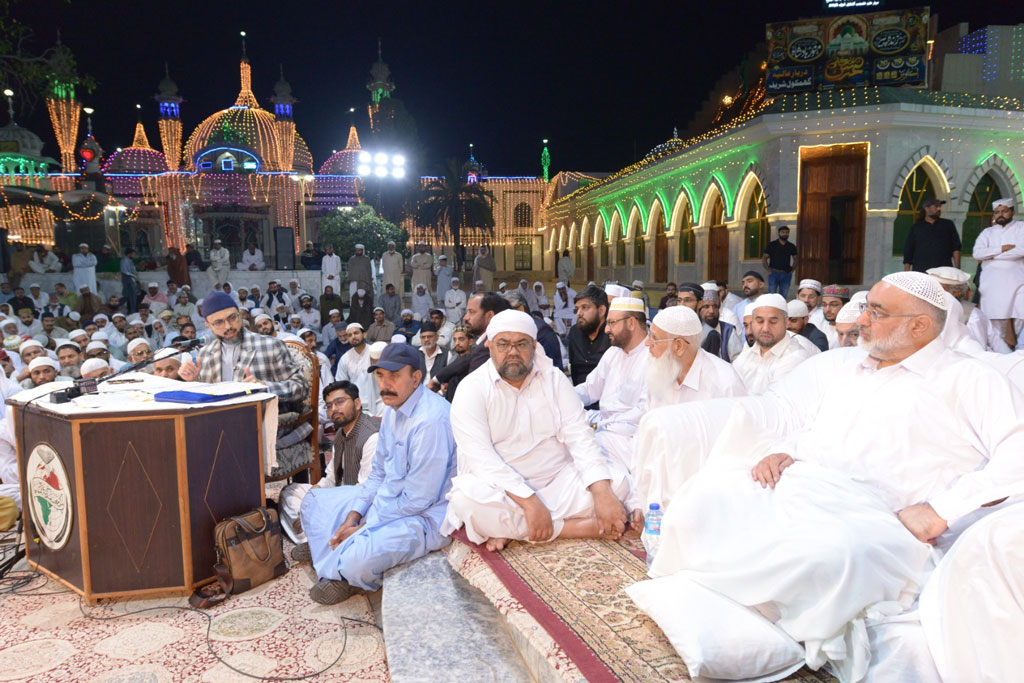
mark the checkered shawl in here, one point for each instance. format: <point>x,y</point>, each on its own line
<point>266,356</point>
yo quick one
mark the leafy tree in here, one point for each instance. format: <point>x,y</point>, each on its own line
<point>449,204</point>
<point>31,72</point>
<point>346,228</point>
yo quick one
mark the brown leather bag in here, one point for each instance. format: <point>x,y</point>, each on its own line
<point>249,553</point>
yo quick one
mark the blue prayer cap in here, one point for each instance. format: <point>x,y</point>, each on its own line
<point>217,301</point>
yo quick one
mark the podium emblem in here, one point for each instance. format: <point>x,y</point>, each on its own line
<point>49,496</point>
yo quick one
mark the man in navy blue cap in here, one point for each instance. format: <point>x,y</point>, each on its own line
<point>238,355</point>
<point>355,533</point>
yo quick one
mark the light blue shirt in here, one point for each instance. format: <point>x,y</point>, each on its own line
<point>414,463</point>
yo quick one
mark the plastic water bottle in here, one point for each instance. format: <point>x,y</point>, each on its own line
<point>652,531</point>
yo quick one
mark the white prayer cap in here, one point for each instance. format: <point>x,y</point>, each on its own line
<point>134,319</point>
<point>797,309</point>
<point>118,315</point>
<point>921,285</point>
<point>512,321</point>
<point>152,285</point>
<point>948,275</point>
<point>354,326</point>
<point>100,316</point>
<point>628,303</point>
<point>359,246</point>
<point>442,257</point>
<point>295,280</point>
<point>304,330</point>
<point>614,290</point>
<point>360,292</point>
<point>68,342</point>
<point>478,282</point>
<point>95,346</point>
<point>524,281</point>
<point>94,364</point>
<point>809,284</point>
<point>256,311</point>
<point>217,241</point>
<point>420,285</point>
<point>538,284</point>
<point>679,321</point>
<point>77,333</point>
<point>34,285</point>
<point>83,244</point>
<point>100,335</point>
<point>638,283</point>
<point>406,310</point>
<point>848,313</point>
<point>75,315</point>
<point>261,316</point>
<point>377,348</point>
<point>771,301</point>
<point>28,344</point>
<point>41,361</point>
<point>560,285</point>
<point>1008,202</point>
<point>455,279</point>
<point>398,339</point>
<point>503,284</point>
<point>294,316</point>
<point>748,310</point>
<point>709,287</point>
<point>136,343</point>
<point>862,295</point>
<point>333,311</point>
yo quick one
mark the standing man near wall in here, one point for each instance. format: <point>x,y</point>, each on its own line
<point>220,264</point>
<point>392,264</point>
<point>779,259</point>
<point>360,272</point>
<point>128,275</point>
<point>933,241</point>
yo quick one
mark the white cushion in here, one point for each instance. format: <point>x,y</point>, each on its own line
<point>717,637</point>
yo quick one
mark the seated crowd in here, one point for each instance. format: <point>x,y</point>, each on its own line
<point>845,432</point>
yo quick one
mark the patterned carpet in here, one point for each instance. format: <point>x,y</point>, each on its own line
<point>567,600</point>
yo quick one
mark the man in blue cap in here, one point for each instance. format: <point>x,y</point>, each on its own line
<point>238,355</point>
<point>356,533</point>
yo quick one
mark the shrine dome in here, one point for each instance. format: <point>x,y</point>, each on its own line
<point>345,161</point>
<point>139,158</point>
<point>261,140</point>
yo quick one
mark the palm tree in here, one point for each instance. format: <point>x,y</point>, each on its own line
<point>449,204</point>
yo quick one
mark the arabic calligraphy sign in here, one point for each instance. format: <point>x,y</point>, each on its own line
<point>880,48</point>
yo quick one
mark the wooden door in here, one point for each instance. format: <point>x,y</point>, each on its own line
<point>661,255</point>
<point>830,238</point>
<point>813,231</point>
<point>718,253</point>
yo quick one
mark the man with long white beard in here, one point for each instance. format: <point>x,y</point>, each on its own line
<point>618,380</point>
<point>678,369</point>
<point>529,467</point>
<point>776,350</point>
<point>834,522</point>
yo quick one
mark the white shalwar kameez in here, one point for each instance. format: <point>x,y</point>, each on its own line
<point>392,266</point>
<point>759,371</point>
<point>985,333</point>
<point>353,366</point>
<point>84,274</point>
<point>565,310</point>
<point>422,303</point>
<point>709,377</point>
<point>532,440</point>
<point>455,305</point>
<point>330,272</point>
<point>1002,272</point>
<point>618,383</point>
<point>824,549</point>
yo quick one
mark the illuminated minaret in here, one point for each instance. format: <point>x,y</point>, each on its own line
<point>169,122</point>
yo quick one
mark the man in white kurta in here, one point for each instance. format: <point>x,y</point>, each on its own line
<point>330,269</point>
<point>353,366</point>
<point>422,267</point>
<point>832,524</point>
<point>392,265</point>
<point>252,259</point>
<point>220,264</point>
<point>809,291</point>
<point>44,261</point>
<point>529,465</point>
<point>564,308</point>
<point>776,351</point>
<point>618,380</point>
<point>679,370</point>
<point>443,273</point>
<point>999,251</point>
<point>84,264</point>
<point>978,326</point>
<point>455,302</point>
<point>483,268</point>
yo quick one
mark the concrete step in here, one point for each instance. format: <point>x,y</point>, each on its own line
<point>439,628</point>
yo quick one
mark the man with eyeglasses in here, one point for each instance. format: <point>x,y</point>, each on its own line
<point>139,350</point>
<point>618,380</point>
<point>528,470</point>
<point>237,355</point>
<point>355,442</point>
<point>776,350</point>
<point>852,498</point>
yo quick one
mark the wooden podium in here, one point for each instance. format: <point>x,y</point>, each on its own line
<point>124,503</point>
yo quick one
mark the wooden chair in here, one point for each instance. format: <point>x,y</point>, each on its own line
<point>305,454</point>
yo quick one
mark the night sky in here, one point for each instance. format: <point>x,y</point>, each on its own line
<point>604,81</point>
